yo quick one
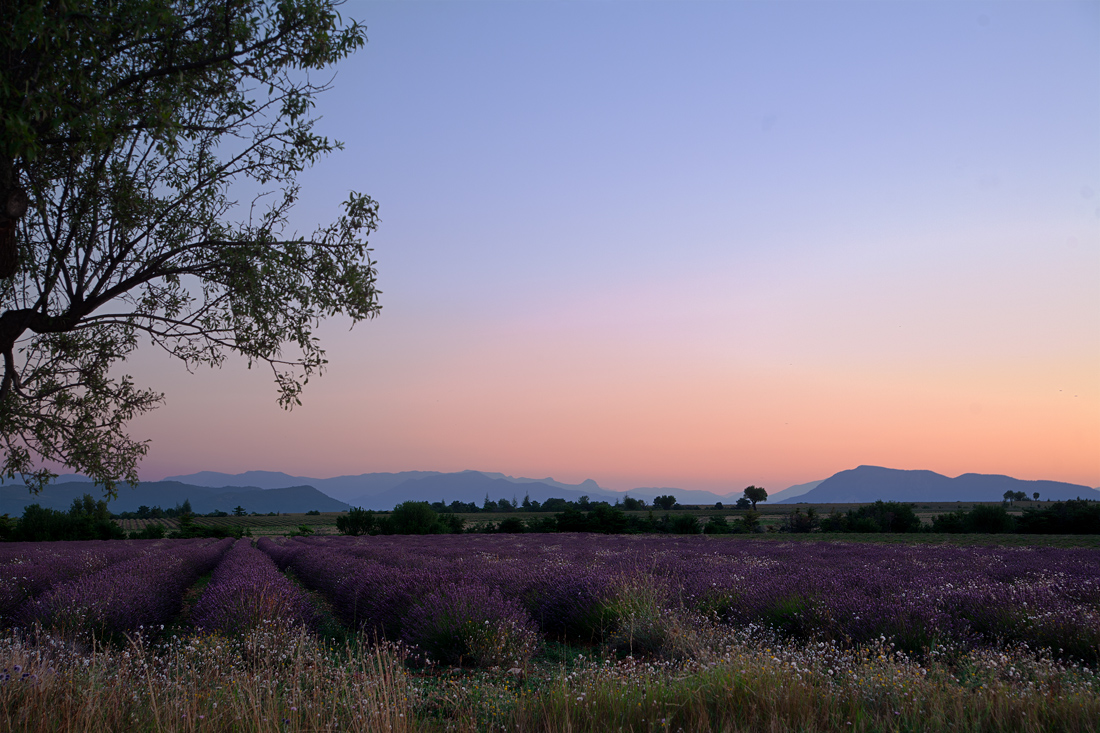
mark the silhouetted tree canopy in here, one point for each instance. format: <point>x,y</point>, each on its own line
<point>126,132</point>
<point>755,494</point>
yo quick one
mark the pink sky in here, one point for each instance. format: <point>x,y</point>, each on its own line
<point>698,246</point>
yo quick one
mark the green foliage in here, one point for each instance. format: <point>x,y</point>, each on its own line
<point>415,517</point>
<point>542,524</point>
<point>1068,517</point>
<point>127,126</point>
<point>452,524</point>
<point>154,531</point>
<point>87,519</point>
<point>717,525</point>
<point>882,516</point>
<point>685,524</point>
<point>572,520</point>
<point>357,521</point>
<point>799,523</point>
<point>631,504</point>
<point>756,494</point>
<point>750,521</point>
<point>1063,517</point>
<point>189,530</point>
<point>607,519</point>
<point>666,502</point>
<point>554,504</point>
<point>602,518</point>
<point>984,518</point>
<point>512,525</point>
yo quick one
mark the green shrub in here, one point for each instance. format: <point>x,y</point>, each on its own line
<point>357,521</point>
<point>716,525</point>
<point>882,516</point>
<point>154,531</point>
<point>86,520</point>
<point>1063,517</point>
<point>512,525</point>
<point>416,517</point>
<point>685,524</point>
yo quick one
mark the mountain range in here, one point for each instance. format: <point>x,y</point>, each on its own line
<point>871,483</point>
<point>270,491</point>
<point>384,490</point>
<point>167,494</point>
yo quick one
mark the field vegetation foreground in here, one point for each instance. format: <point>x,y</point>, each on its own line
<point>547,633</point>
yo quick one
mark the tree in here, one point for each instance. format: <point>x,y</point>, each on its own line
<point>717,525</point>
<point>665,502</point>
<point>512,525</point>
<point>126,131</point>
<point>416,517</point>
<point>86,519</point>
<point>357,521</point>
<point>755,494</point>
<point>238,511</point>
<point>1035,496</point>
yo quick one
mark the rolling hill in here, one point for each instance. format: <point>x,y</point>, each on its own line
<point>385,490</point>
<point>167,494</point>
<point>873,483</point>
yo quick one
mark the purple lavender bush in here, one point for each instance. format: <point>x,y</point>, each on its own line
<point>472,624</point>
<point>246,591</point>
<point>915,596</point>
<point>27,570</point>
<point>144,591</point>
<point>568,603</point>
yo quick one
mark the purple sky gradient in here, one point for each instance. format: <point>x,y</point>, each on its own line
<point>698,245</point>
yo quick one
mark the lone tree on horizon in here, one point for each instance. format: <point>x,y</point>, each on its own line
<point>755,494</point>
<point>125,130</point>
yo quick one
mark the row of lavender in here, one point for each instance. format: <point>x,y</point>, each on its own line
<point>247,591</point>
<point>579,586</point>
<point>110,588</point>
<point>29,569</point>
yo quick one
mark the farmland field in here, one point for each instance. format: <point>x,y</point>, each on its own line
<point>548,632</point>
<point>257,525</point>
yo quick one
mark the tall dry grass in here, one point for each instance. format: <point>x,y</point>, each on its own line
<point>819,687</point>
<point>718,679</point>
<point>269,680</point>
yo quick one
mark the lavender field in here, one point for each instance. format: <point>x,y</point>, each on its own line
<point>587,588</point>
<point>562,632</point>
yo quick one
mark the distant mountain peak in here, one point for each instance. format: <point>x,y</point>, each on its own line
<point>866,484</point>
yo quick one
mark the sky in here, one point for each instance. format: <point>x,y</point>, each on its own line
<point>698,245</point>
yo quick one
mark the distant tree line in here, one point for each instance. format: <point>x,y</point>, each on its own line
<point>552,504</point>
<point>88,519</point>
<point>179,510</point>
<point>412,517</point>
<point>1068,517</point>
<point>583,515</point>
<point>1062,517</point>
